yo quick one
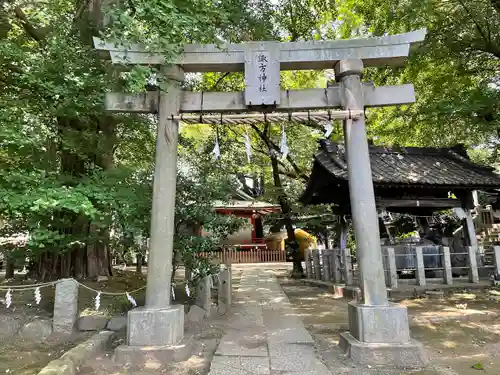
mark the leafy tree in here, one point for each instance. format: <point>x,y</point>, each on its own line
<point>455,71</point>
<point>70,172</point>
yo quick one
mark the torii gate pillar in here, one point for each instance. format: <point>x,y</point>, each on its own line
<point>379,332</point>
<point>159,324</point>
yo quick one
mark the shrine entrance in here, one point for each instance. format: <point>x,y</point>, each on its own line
<point>378,330</point>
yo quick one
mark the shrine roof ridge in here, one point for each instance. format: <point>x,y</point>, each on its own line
<point>445,166</point>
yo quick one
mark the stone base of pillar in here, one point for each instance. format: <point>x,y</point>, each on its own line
<point>154,356</point>
<point>380,335</point>
<point>155,336</point>
<point>408,355</point>
<point>155,327</point>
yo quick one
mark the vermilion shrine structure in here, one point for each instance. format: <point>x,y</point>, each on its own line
<point>379,330</point>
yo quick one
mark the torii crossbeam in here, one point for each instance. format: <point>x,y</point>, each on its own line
<point>375,321</point>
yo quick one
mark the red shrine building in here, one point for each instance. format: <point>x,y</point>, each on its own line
<point>250,236</point>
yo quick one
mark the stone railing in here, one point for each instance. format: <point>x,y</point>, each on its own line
<point>437,262</point>
<point>424,264</point>
<point>329,265</point>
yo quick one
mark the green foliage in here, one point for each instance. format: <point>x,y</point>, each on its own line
<point>70,173</point>
<point>455,72</point>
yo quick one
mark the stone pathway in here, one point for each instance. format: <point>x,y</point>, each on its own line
<point>264,335</point>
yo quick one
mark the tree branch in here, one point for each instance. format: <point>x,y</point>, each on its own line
<point>273,146</point>
<point>81,9</point>
<point>37,34</point>
<point>221,78</point>
<point>478,26</point>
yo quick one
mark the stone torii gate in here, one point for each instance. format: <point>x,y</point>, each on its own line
<point>379,331</point>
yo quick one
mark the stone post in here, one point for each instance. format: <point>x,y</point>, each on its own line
<point>375,320</point>
<point>224,292</point>
<point>496,256</point>
<point>391,268</point>
<point>347,264</point>
<point>65,307</point>
<point>204,293</point>
<point>335,266</point>
<point>420,272</point>
<point>325,276</point>
<point>309,267</point>
<point>446,260</point>
<point>316,264</point>
<point>188,274</point>
<point>472,262</point>
<point>159,323</point>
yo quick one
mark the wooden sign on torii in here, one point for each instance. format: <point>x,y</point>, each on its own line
<point>262,62</point>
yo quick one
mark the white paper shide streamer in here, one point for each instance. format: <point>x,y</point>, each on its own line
<point>131,300</point>
<point>216,150</point>
<point>38,296</point>
<point>328,129</point>
<point>8,299</point>
<point>188,292</point>
<point>173,293</point>
<point>248,147</point>
<point>97,301</point>
<point>284,144</point>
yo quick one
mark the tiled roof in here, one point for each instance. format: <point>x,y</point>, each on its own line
<point>413,166</point>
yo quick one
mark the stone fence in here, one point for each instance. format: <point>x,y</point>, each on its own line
<point>213,293</point>
<point>438,262</point>
<point>409,262</point>
<point>329,265</point>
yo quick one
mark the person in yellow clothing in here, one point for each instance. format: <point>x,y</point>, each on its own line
<point>306,241</point>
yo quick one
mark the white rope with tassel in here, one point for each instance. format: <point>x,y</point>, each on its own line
<point>216,150</point>
<point>38,296</point>
<point>131,299</point>
<point>283,143</point>
<point>8,299</point>
<point>97,301</point>
<point>248,147</point>
<point>328,129</point>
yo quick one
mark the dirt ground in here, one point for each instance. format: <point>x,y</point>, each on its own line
<point>21,357</point>
<point>461,334</point>
<point>457,340</point>
<point>207,336</point>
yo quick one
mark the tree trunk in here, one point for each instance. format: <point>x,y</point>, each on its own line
<point>9,267</point>
<point>138,267</point>
<point>286,210</point>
